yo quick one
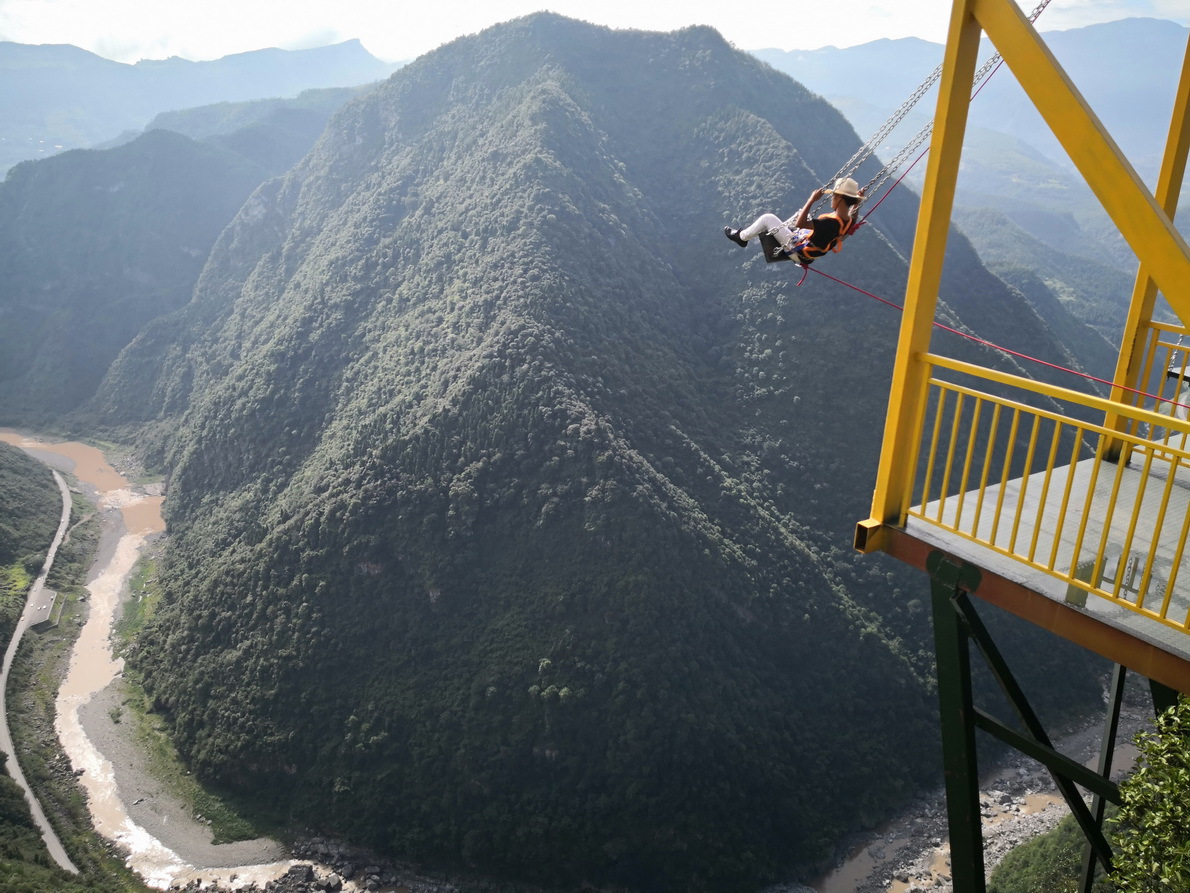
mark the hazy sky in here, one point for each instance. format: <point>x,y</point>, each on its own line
<point>396,30</point>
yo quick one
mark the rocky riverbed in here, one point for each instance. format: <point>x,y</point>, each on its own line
<point>907,855</point>
<point>1019,801</point>
<point>324,864</point>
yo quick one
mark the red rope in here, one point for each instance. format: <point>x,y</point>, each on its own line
<point>946,328</point>
<point>969,337</point>
<point>1006,350</point>
<point>974,338</point>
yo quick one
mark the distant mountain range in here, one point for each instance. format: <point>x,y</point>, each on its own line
<point>96,244</point>
<point>58,97</point>
<point>509,503</point>
<point>867,82</point>
<point>1012,163</point>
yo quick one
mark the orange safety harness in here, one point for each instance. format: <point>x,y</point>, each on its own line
<point>806,249</point>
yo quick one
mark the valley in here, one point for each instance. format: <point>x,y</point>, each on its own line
<point>169,846</point>
<point>163,840</point>
<point>507,534</point>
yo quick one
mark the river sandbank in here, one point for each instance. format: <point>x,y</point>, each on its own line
<point>1018,801</point>
<point>190,853</point>
<point>164,842</point>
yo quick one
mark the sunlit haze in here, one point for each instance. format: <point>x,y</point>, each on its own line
<point>131,30</point>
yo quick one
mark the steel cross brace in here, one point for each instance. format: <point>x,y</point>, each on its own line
<point>955,625</point>
<point>1106,751</point>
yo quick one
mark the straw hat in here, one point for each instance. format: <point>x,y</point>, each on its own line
<point>844,186</point>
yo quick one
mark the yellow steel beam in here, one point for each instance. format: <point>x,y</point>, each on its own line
<point>1147,229</point>
<point>1144,292</point>
<point>894,476</point>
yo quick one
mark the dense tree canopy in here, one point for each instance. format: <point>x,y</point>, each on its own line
<point>1152,827</point>
<point>509,502</point>
<point>29,511</point>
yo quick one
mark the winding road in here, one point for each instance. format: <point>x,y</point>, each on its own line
<point>32,608</point>
<point>161,838</point>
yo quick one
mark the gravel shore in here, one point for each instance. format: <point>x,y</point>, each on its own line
<point>150,805</point>
<point>189,850</point>
<point>1019,801</point>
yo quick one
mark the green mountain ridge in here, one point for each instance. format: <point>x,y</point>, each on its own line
<point>96,244</point>
<point>59,97</point>
<point>508,501</point>
<point>1100,289</point>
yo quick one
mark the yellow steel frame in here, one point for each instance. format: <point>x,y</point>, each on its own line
<point>1131,368</point>
<point>1000,472</point>
<point>1164,265</point>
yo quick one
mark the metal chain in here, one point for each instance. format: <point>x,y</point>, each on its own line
<point>866,150</point>
<point>861,155</point>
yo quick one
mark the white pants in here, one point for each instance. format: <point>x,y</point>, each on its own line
<point>780,229</point>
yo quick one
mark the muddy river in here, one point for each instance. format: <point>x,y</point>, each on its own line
<point>131,517</point>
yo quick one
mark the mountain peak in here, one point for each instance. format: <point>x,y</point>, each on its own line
<point>506,494</point>
<point>480,387</point>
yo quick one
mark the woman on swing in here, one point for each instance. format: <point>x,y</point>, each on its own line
<point>801,238</point>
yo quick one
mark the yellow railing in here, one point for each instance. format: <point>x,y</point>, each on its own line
<point>1024,472</point>
<point>1164,372</point>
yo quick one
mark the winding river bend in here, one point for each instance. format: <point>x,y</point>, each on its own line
<point>164,843</point>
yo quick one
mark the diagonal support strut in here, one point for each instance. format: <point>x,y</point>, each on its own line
<point>956,626</point>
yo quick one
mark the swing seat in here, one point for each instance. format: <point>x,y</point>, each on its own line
<point>773,251</point>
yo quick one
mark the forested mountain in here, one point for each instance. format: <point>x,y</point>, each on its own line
<point>510,504</point>
<point>1101,290</point>
<point>55,97</point>
<point>92,245</point>
<point>870,80</point>
<point>273,132</point>
<point>96,243</point>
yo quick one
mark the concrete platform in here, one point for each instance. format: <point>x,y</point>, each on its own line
<point>1118,583</point>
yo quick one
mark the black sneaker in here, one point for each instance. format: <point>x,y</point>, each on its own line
<point>734,235</point>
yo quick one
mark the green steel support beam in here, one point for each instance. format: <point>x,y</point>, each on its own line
<point>1106,749</point>
<point>1037,738</point>
<point>1164,697</point>
<point>1058,764</point>
<point>956,625</point>
<point>956,708</point>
